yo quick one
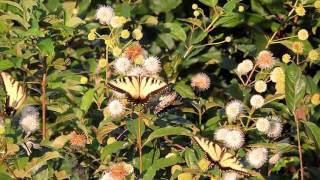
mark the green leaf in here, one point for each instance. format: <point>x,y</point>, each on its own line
<point>184,90</point>
<point>17,18</point>
<point>46,47</point>
<point>211,3</point>
<point>166,38</point>
<point>159,6</point>
<point>4,176</point>
<point>176,30</point>
<point>191,158</point>
<point>161,164</point>
<point>123,9</point>
<point>198,36</point>
<point>295,86</point>
<point>168,131</point>
<point>5,64</point>
<point>113,148</point>
<point>230,5</point>
<point>39,162</point>
<point>87,100</point>
<point>133,125</point>
<point>313,132</point>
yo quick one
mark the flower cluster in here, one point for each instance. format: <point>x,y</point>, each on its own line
<point>29,120</point>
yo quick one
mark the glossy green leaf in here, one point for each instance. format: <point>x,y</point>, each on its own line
<point>87,100</point>
<point>313,131</point>
<point>176,30</point>
<point>164,5</point>
<point>46,47</point>
<point>113,148</point>
<point>167,131</point>
<point>133,127</point>
<point>295,86</point>
<point>5,64</point>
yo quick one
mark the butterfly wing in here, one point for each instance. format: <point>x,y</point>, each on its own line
<point>150,86</point>
<point>169,101</point>
<point>16,93</point>
<point>229,162</point>
<point>128,85</point>
<point>213,150</point>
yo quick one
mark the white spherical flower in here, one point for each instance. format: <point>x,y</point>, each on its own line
<point>275,158</point>
<point>221,134</point>
<point>275,127</point>
<point>233,109</point>
<point>152,65</point>
<point>263,125</point>
<point>257,157</point>
<point>115,107</point>
<point>107,176</point>
<point>231,175</point>
<point>260,86</point>
<point>30,123</point>
<point>244,67</point>
<point>257,101</point>
<point>29,110</point>
<point>122,65</point>
<point>138,71</point>
<point>104,14</point>
<point>234,139</point>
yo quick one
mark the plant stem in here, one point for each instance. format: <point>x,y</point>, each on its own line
<point>299,148</point>
<point>9,169</point>
<point>251,73</point>
<point>107,65</point>
<point>139,143</point>
<point>43,103</point>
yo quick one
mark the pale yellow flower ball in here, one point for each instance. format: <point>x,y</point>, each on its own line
<point>277,75</point>
<point>316,4</point>
<point>111,140</point>
<point>175,168</point>
<point>102,62</point>
<point>303,34</point>
<point>286,58</point>
<point>300,10</point>
<point>83,80</point>
<point>117,21</point>
<point>116,51</point>
<point>315,99</point>
<point>92,36</point>
<point>137,34</point>
<point>297,47</point>
<point>241,8</point>
<point>313,55</point>
<point>125,34</point>
<point>152,20</point>
<point>194,6</point>
<point>260,86</point>
<point>228,39</point>
<point>185,176</point>
<point>196,13</point>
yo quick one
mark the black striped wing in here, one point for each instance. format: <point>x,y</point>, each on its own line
<point>169,101</point>
<point>16,93</point>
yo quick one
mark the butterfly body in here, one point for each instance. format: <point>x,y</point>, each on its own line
<point>168,102</point>
<point>138,89</point>
<point>16,93</point>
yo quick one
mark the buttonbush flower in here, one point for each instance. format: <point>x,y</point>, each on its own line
<point>137,34</point>
<point>263,125</point>
<point>201,82</point>
<point>115,107</point>
<point>234,139</point>
<point>122,65</point>
<point>125,34</point>
<point>303,34</point>
<point>78,140</point>
<point>265,60</point>
<point>233,109</point>
<point>286,58</point>
<point>230,175</point>
<point>297,47</point>
<point>152,65</point>
<point>244,67</point>
<point>300,10</point>
<point>104,14</point>
<point>260,86</point>
<point>257,101</point>
<point>221,133</point>
<point>257,157</point>
<point>315,99</point>
<point>277,75</point>
<point>313,55</point>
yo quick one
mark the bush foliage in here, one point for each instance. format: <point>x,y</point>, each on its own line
<point>247,73</point>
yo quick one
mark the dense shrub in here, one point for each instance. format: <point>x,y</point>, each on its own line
<point>134,89</point>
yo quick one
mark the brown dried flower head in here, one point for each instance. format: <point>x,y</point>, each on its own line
<point>134,51</point>
<point>78,140</point>
<point>120,170</point>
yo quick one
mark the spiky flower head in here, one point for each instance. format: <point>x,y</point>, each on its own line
<point>275,127</point>
<point>152,65</point>
<point>257,101</point>
<point>233,109</point>
<point>277,75</point>
<point>133,51</point>
<point>257,157</point>
<point>244,67</point>
<point>263,125</point>
<point>30,123</point>
<point>29,110</point>
<point>230,175</point>
<point>104,14</point>
<point>220,134</point>
<point>265,60</point>
<point>78,141</point>
<point>115,107</point>
<point>122,65</point>
<point>120,170</point>
<point>201,82</point>
<point>234,139</point>
<point>138,71</point>
<point>303,34</point>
